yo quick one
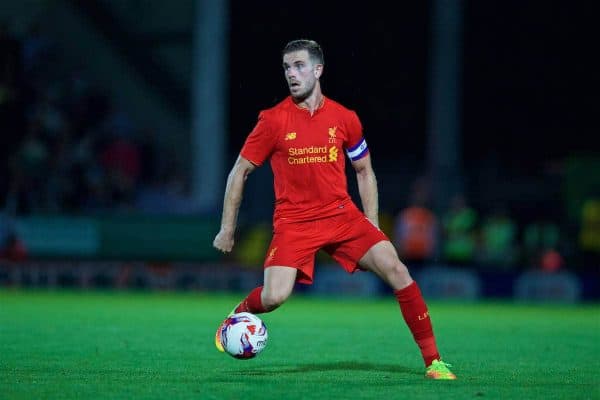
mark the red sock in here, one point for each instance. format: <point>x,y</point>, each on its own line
<point>415,313</point>
<point>252,303</point>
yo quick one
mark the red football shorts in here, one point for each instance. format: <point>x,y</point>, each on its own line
<point>346,237</point>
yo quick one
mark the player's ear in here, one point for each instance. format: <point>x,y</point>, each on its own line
<point>318,70</point>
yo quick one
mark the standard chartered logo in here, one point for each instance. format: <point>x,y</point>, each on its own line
<point>312,155</point>
<point>333,153</point>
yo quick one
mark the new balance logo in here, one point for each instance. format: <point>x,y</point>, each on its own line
<point>290,136</point>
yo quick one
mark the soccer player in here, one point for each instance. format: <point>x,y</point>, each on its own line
<point>305,137</point>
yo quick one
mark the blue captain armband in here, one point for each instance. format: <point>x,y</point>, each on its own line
<point>358,151</point>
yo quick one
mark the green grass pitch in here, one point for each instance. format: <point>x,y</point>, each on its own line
<point>124,345</point>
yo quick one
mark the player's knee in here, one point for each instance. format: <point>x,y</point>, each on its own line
<point>396,267</point>
<point>396,273</point>
<point>272,300</point>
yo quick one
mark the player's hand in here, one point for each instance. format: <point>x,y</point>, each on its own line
<point>224,241</point>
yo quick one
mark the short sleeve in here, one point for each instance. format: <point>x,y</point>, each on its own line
<point>260,143</point>
<point>354,129</point>
<point>356,145</point>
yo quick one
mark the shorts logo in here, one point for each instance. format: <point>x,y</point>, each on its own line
<point>272,253</point>
<point>290,136</point>
<point>332,134</point>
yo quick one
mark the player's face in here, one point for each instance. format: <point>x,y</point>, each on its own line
<point>301,74</point>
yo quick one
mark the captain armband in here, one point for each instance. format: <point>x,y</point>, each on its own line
<point>358,151</point>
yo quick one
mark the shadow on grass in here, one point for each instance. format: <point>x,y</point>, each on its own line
<point>328,366</point>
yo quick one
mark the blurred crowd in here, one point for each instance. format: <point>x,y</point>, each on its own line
<point>494,237</point>
<point>67,146</point>
<point>465,236</point>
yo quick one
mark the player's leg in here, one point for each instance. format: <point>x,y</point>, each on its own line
<point>290,259</point>
<point>292,245</point>
<point>278,286</point>
<point>383,260</point>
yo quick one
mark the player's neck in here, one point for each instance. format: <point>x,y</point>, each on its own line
<point>313,102</point>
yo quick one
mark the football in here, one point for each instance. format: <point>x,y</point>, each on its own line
<point>244,335</point>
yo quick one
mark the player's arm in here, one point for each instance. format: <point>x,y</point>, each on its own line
<point>234,191</point>
<point>367,188</point>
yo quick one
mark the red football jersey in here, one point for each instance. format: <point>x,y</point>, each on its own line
<point>307,156</point>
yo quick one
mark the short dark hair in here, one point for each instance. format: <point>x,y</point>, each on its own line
<point>314,50</point>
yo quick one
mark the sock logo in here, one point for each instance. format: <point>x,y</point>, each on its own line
<point>423,316</point>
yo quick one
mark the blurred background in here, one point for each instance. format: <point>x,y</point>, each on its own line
<point>120,119</point>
